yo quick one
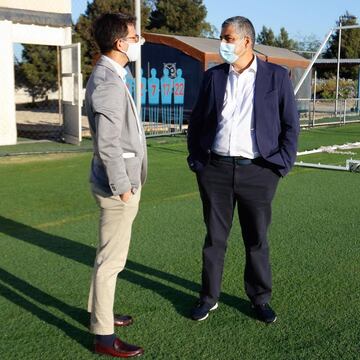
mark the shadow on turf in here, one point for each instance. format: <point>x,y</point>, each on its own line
<point>135,273</point>
<point>9,282</point>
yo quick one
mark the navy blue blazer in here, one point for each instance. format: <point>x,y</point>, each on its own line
<point>276,118</point>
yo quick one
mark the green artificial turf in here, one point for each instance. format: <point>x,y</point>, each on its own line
<point>27,146</point>
<point>332,135</point>
<point>48,236</point>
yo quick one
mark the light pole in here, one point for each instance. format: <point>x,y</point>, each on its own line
<point>138,62</point>
<point>341,18</point>
<point>338,68</point>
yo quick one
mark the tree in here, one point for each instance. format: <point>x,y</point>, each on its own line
<point>181,17</point>
<point>283,40</point>
<point>83,32</point>
<point>37,72</point>
<point>308,45</point>
<point>213,32</point>
<point>266,37</point>
<point>350,47</point>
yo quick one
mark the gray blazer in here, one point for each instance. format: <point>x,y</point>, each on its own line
<point>114,131</point>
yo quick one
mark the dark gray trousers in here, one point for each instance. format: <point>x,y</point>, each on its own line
<point>252,187</point>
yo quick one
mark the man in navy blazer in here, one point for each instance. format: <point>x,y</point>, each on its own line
<point>242,138</point>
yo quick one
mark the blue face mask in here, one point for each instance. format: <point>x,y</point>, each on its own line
<point>227,52</point>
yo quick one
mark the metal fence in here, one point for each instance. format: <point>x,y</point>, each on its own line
<point>165,121</point>
<point>323,112</point>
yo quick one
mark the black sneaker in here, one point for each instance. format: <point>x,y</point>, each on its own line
<point>264,313</point>
<point>201,310</point>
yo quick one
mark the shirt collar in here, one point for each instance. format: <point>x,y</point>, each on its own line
<point>252,67</point>
<point>119,69</point>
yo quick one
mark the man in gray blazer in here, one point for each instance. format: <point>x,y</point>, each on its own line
<point>118,171</point>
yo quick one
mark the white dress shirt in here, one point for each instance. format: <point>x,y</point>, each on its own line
<point>235,133</point>
<point>121,71</point>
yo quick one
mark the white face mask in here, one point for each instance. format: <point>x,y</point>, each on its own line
<point>227,52</point>
<point>133,51</point>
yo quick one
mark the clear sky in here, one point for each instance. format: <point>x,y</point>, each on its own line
<point>300,18</point>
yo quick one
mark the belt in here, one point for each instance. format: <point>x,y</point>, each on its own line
<point>235,160</point>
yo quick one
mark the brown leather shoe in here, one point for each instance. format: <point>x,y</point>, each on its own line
<point>122,320</point>
<point>119,349</point>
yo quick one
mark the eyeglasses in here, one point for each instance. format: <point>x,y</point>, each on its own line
<point>136,38</point>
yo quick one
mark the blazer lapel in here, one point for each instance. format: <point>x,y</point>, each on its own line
<point>108,65</point>
<point>262,87</point>
<point>133,106</point>
<point>220,81</point>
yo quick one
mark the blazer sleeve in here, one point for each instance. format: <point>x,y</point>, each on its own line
<point>109,102</point>
<point>290,126</point>
<point>196,122</point>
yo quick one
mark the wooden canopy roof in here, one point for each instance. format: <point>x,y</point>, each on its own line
<point>207,50</point>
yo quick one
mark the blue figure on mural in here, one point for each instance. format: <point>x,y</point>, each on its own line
<point>166,96</point>
<point>143,96</point>
<point>179,88</point>
<point>153,90</point>
<point>130,83</point>
<point>179,91</point>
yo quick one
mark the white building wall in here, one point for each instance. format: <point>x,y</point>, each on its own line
<point>27,34</point>
<point>58,6</point>
<point>41,35</point>
<point>7,86</point>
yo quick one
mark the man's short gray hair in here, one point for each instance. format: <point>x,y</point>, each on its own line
<point>243,27</point>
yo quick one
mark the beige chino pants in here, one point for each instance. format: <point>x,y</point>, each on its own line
<point>116,218</point>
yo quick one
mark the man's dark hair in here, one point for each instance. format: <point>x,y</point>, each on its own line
<point>110,27</point>
<point>243,27</point>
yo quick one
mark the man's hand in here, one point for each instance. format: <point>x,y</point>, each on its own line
<point>125,197</point>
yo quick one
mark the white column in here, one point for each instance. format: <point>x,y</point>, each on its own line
<point>7,86</point>
<point>138,62</point>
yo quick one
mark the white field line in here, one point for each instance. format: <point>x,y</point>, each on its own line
<point>332,149</point>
